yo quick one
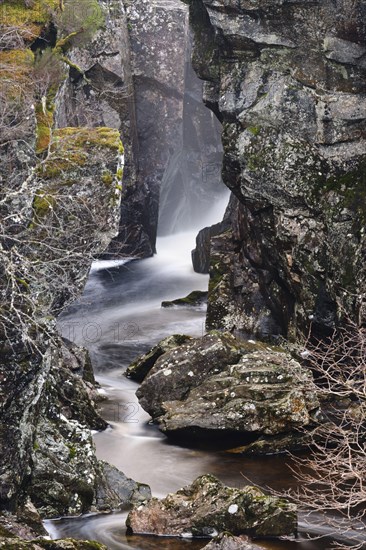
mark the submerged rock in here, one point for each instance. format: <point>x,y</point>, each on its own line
<point>208,507</point>
<point>218,385</point>
<point>195,298</point>
<point>144,363</point>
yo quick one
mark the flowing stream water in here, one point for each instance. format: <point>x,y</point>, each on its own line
<point>118,317</point>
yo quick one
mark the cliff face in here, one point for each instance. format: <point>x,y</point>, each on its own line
<point>287,80</point>
<point>59,207</point>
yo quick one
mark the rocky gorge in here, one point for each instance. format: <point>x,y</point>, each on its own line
<point>103,132</point>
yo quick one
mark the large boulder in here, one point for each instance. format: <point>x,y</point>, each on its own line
<point>218,385</point>
<point>185,367</point>
<point>208,507</point>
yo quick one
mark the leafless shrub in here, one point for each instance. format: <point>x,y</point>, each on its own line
<point>332,478</point>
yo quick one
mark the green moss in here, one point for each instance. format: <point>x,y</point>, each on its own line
<point>86,138</point>
<point>72,452</point>
<point>23,283</point>
<point>29,21</point>
<point>44,117</point>
<point>70,149</point>
<point>5,532</point>
<point>107,178</point>
<point>42,204</point>
<point>350,186</point>
<point>119,174</point>
<point>254,130</point>
<point>16,73</point>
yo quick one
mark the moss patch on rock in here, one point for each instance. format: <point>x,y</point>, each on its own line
<point>28,20</point>
<point>71,146</point>
<point>207,507</point>
<point>16,71</point>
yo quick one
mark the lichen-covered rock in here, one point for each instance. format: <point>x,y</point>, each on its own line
<point>208,507</point>
<point>15,534</point>
<point>179,370</point>
<point>59,207</point>
<point>226,541</point>
<point>100,91</point>
<point>144,363</point>
<point>218,385</point>
<point>287,81</point>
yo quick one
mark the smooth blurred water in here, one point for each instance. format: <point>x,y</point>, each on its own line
<point>118,317</point>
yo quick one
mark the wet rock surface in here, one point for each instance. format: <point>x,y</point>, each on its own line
<point>193,299</point>
<point>218,386</point>
<point>208,507</point>
<point>144,363</point>
<point>294,156</point>
<point>15,534</point>
<point>229,542</point>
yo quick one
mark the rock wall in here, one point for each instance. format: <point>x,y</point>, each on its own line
<point>59,207</point>
<point>287,80</point>
<point>135,75</point>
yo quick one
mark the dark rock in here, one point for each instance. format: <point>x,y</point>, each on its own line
<point>106,97</point>
<point>201,254</point>
<point>185,367</point>
<point>16,535</point>
<point>226,541</point>
<point>59,208</point>
<point>218,385</point>
<point>144,363</point>
<point>287,81</point>
<point>22,525</point>
<point>195,298</point>
<point>119,489</point>
<point>208,507</point>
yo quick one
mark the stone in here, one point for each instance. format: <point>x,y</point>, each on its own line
<point>207,507</point>
<point>226,541</point>
<point>217,386</point>
<point>201,254</point>
<point>144,363</point>
<point>39,544</point>
<point>15,534</point>
<point>182,368</point>
<point>193,299</point>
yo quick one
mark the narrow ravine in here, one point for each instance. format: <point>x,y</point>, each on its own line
<point>118,317</point>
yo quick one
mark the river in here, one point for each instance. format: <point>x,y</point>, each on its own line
<point>118,317</point>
